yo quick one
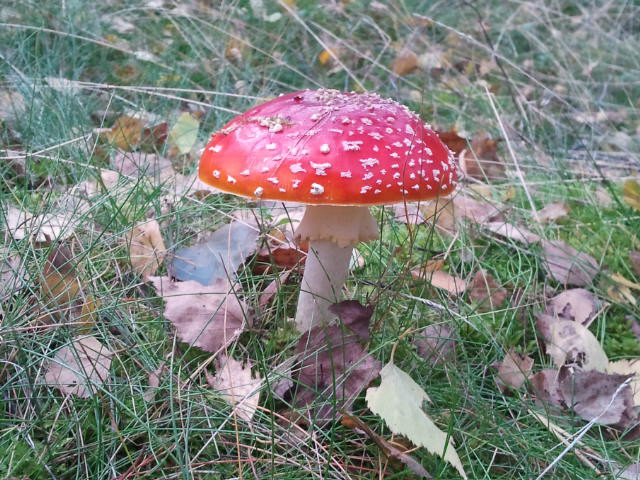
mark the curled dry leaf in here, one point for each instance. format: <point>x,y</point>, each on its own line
<point>567,265</point>
<point>43,228</point>
<point>335,366</point>
<point>125,133</point>
<point>598,396</point>
<point>59,279</point>
<point>218,257</point>
<point>482,161</point>
<point>146,248</point>
<point>515,369</point>
<point>405,62</point>
<point>485,291</point>
<point>436,344</point>
<point>628,367</point>
<point>512,232</point>
<point>576,304</point>
<point>209,317</point>
<point>451,139</point>
<point>571,343</point>
<point>79,368</point>
<point>475,210</point>
<point>237,386</point>
<point>546,388</point>
<point>554,212</point>
<point>445,281</point>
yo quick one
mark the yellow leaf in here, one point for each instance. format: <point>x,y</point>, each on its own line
<point>146,248</point>
<point>126,133</point>
<point>405,62</point>
<point>327,56</point>
<point>616,277</point>
<point>621,294</point>
<point>184,133</point>
<point>631,193</point>
<point>59,282</point>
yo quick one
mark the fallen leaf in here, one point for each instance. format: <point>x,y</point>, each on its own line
<point>597,396</point>
<point>632,472</point>
<point>571,343</point>
<point>398,400</point>
<point>59,280</point>
<point>154,382</point>
<point>554,212</point>
<point>273,288</point>
<point>405,62</point>
<point>621,294</point>
<point>140,164</point>
<point>184,133</point>
<point>328,56</point>
<point>482,161</point>
<point>475,210</point>
<point>631,193</point>
<point>218,257</point>
<point>514,369</point>
<point>628,367</point>
<point>335,367</point>
<point>12,105</point>
<point>44,228</point>
<point>513,232</point>
<point>602,197</point>
<point>280,251</point>
<point>634,257</point>
<point>436,344</point>
<point>146,248</point>
<point>125,133</point>
<point>412,213</point>
<point>619,279</point>
<point>234,49</point>
<point>154,138</point>
<point>209,317</point>
<point>567,265</point>
<point>79,368</point>
<point>485,291</point>
<point>431,266</point>
<point>452,284</point>
<point>451,139</point>
<point>389,450</point>
<point>237,386</point>
<point>576,304</point>
<point>546,388</point>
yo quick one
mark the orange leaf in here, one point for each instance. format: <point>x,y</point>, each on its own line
<point>405,62</point>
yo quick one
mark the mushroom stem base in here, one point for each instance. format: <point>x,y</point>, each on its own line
<point>325,272</point>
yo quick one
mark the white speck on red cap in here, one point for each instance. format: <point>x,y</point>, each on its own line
<point>324,148</point>
<point>316,189</point>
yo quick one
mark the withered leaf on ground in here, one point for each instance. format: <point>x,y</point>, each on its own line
<point>628,367</point>
<point>631,193</point>
<point>554,212</point>
<point>59,280</point>
<point>513,232</point>
<point>567,265</point>
<point>632,472</point>
<point>184,133</point>
<point>482,161</point>
<point>405,62</point>
<point>140,164</point>
<point>218,257</point>
<point>598,396</point>
<point>445,281</point>
<point>13,275</point>
<point>126,132</point>
<point>436,343</point>
<point>571,343</point>
<point>80,368</point>
<point>43,228</point>
<point>451,139</point>
<point>146,248</point>
<point>237,386</point>
<point>209,317</point>
<point>576,304</point>
<point>485,291</point>
<point>546,388</point>
<point>335,366</point>
<point>514,369</point>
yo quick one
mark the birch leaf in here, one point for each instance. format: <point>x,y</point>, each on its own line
<point>184,133</point>
<point>237,386</point>
<point>398,400</point>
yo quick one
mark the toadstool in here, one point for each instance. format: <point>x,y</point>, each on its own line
<point>339,153</point>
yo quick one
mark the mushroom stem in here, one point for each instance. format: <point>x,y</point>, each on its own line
<point>325,271</point>
<point>332,232</point>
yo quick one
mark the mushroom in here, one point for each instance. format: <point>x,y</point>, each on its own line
<point>338,153</point>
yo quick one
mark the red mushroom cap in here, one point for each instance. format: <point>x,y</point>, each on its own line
<point>325,147</point>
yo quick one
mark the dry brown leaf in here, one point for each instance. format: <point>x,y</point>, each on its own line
<point>602,197</point>
<point>234,49</point>
<point>43,228</point>
<point>597,396</point>
<point>237,386</point>
<point>154,138</point>
<point>146,248</point>
<point>554,212</point>
<point>576,304</point>
<point>628,367</point>
<point>140,164</point>
<point>567,265</point>
<point>634,258</point>
<point>451,139</point>
<point>79,368</point>
<point>126,133</point>
<point>485,291</point>
<point>620,280</point>
<point>329,55</point>
<point>632,472</point>
<point>436,344</point>
<point>514,369</point>
<point>631,193</point>
<point>431,266</point>
<point>208,317</point>
<point>273,287</point>
<point>482,161</point>
<point>406,62</point>
<point>513,232</point>
<point>59,279</point>
<point>621,294</point>
<point>154,382</point>
<point>571,343</point>
<point>411,213</point>
<point>445,281</point>
<point>546,388</point>
<point>335,366</point>
<point>475,210</point>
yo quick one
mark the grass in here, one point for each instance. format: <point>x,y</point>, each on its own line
<point>558,80</point>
